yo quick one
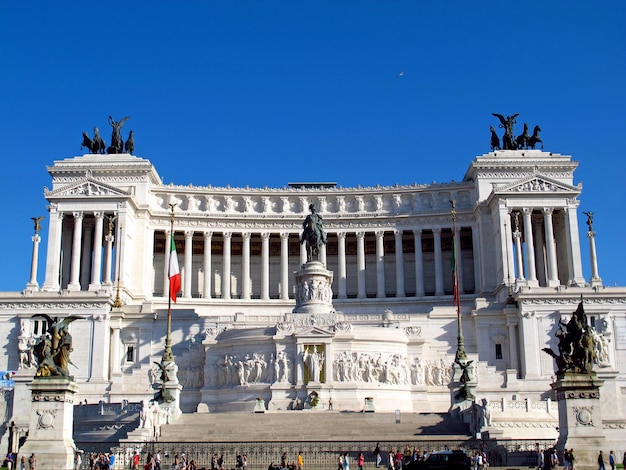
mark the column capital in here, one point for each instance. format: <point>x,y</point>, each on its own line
<point>284,236</point>
<point>207,235</point>
<point>99,215</point>
<point>527,211</point>
<point>78,215</point>
<point>360,235</point>
<point>436,230</point>
<point>188,234</point>
<point>417,231</point>
<point>265,235</point>
<point>380,234</point>
<point>341,235</point>
<point>227,235</point>
<point>548,211</point>
<point>246,236</point>
<point>398,233</point>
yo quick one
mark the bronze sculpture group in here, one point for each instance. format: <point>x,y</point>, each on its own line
<point>97,145</point>
<point>509,140</point>
<point>53,349</point>
<point>576,345</point>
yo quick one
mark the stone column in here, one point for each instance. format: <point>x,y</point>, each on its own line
<point>399,264</point>
<point>302,254</point>
<point>245,266</point>
<point>188,264</point>
<point>553,273</point>
<point>226,265</point>
<point>540,258</point>
<point>419,264</point>
<point>508,249</point>
<point>478,280</point>
<point>265,266</point>
<point>517,236</point>
<point>530,247</point>
<point>51,283</point>
<point>341,255</point>
<point>166,262</point>
<point>323,254</point>
<point>360,265</point>
<point>438,262</point>
<point>32,283</point>
<point>206,291</point>
<point>459,259</point>
<point>97,251</point>
<point>74,284</point>
<point>573,246</point>
<point>86,250</point>
<point>108,258</point>
<point>284,266</point>
<point>380,265</point>
<point>596,281</point>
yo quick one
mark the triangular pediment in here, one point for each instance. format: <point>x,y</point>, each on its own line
<point>537,183</point>
<point>87,187</point>
<point>314,333</point>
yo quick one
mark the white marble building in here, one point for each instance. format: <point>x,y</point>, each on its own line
<point>391,330</point>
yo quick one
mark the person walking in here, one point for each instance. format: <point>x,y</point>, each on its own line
<point>611,460</point>
<point>32,461</point>
<point>378,456</point>
<point>601,461</point>
<point>361,460</point>
<point>346,461</point>
<point>300,461</point>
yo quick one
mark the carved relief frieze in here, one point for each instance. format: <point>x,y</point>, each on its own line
<point>54,305</point>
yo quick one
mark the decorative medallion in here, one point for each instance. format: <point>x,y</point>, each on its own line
<point>46,419</point>
<point>584,416</point>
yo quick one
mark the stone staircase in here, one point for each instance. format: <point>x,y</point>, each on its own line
<point>309,425</point>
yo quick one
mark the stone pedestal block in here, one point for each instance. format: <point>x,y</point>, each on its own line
<point>313,289</point>
<point>580,417</point>
<point>51,423</point>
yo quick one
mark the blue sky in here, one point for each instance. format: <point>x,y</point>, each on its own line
<point>263,93</point>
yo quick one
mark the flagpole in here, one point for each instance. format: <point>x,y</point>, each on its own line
<point>460,348</point>
<point>168,355</point>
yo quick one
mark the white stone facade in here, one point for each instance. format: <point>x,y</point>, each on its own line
<point>390,332</point>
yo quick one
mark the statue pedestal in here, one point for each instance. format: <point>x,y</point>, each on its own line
<point>51,423</point>
<point>313,289</point>
<point>580,417</point>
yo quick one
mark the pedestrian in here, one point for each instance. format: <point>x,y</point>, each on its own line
<point>601,461</point>
<point>572,459</point>
<point>554,459</point>
<point>78,460</point>
<point>330,403</point>
<point>23,463</point>
<point>346,461</point>
<point>361,460</point>
<point>283,460</point>
<point>392,458</point>
<point>340,461</point>
<point>378,457</point>
<point>611,460</point>
<point>136,460</point>
<point>300,461</point>
<point>32,461</point>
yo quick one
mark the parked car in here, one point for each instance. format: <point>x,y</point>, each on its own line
<point>443,460</point>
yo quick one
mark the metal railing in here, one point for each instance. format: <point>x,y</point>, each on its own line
<point>317,454</point>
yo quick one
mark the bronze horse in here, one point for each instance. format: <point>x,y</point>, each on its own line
<point>522,140</point>
<point>535,139</point>
<point>495,140</point>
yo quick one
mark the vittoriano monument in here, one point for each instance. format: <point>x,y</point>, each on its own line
<point>509,140</point>
<point>577,389</point>
<point>53,389</point>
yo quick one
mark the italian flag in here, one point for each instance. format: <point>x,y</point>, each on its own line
<point>173,271</point>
